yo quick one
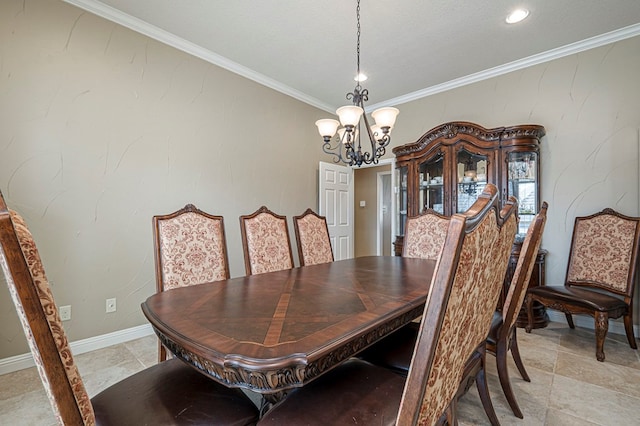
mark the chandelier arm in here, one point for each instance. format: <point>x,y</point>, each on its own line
<point>372,138</point>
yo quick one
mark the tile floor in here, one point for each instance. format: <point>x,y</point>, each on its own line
<point>568,386</point>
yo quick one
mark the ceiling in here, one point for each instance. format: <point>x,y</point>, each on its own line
<point>409,48</point>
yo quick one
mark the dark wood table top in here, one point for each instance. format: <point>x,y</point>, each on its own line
<point>276,331</point>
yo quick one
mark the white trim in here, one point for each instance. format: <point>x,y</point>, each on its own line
<point>585,321</point>
<point>135,24</point>
<point>560,52</point>
<point>379,215</point>
<point>114,15</point>
<point>382,162</point>
<point>20,362</point>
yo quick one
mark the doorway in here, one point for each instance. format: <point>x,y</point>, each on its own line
<point>372,237</point>
<point>384,213</point>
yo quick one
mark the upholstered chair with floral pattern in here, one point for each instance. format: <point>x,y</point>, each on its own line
<point>601,275</point>
<point>312,238</point>
<point>170,392</point>
<point>458,310</point>
<point>190,248</point>
<point>265,241</point>
<point>424,235</point>
<point>502,336</point>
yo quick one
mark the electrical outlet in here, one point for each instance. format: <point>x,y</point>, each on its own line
<point>111,305</point>
<point>65,312</point>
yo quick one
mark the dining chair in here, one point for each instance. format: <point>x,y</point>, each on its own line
<point>312,238</point>
<point>395,352</point>
<point>502,336</point>
<point>601,274</point>
<point>424,235</point>
<point>456,316</point>
<point>168,393</point>
<point>190,248</point>
<point>265,242</point>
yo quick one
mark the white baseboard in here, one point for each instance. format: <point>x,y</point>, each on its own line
<point>586,321</point>
<point>19,362</point>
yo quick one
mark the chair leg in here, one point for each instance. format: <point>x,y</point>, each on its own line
<point>528,300</point>
<point>569,320</point>
<point>450,414</point>
<point>515,353</point>
<point>602,326</point>
<point>483,390</point>
<point>162,352</point>
<point>503,375</point>
<point>628,328</point>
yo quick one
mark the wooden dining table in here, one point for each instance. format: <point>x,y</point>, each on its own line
<point>276,331</point>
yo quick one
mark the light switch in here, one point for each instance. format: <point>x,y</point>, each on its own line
<point>363,203</point>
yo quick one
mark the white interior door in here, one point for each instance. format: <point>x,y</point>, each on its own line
<point>336,204</point>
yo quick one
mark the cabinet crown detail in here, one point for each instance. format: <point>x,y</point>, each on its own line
<point>477,133</point>
<point>448,167</point>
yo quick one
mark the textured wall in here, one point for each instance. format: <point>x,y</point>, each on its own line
<point>101,128</point>
<point>589,104</point>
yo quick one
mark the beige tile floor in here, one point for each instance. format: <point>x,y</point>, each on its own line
<point>568,386</point>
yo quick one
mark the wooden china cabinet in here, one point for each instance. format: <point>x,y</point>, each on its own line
<point>449,166</point>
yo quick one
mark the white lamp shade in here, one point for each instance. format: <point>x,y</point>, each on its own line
<point>385,117</point>
<point>327,127</point>
<point>349,115</point>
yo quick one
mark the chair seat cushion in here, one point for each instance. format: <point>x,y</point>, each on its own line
<point>354,393</point>
<point>394,351</point>
<point>577,296</point>
<point>171,393</point>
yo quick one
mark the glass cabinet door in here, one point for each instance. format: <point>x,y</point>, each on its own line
<point>471,178</point>
<point>522,183</point>
<point>401,198</point>
<point>432,184</point>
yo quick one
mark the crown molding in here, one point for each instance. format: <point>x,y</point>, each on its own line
<point>550,55</point>
<point>135,24</point>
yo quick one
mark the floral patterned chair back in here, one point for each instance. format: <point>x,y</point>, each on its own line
<point>31,294</point>
<point>459,308</point>
<point>424,235</point>
<point>603,252</point>
<point>265,240</point>
<point>190,248</point>
<point>312,238</point>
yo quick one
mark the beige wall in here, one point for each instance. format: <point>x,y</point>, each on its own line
<point>589,104</point>
<point>101,128</point>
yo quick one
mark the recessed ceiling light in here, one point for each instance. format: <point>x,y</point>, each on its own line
<point>517,16</point>
<point>360,77</point>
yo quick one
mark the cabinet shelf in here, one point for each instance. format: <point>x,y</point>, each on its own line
<point>507,157</point>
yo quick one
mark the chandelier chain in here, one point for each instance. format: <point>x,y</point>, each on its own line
<point>348,149</point>
<point>358,43</point>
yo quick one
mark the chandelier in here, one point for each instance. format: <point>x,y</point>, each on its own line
<point>348,148</point>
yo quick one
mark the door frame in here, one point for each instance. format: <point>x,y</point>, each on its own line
<point>383,162</point>
<point>379,219</point>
